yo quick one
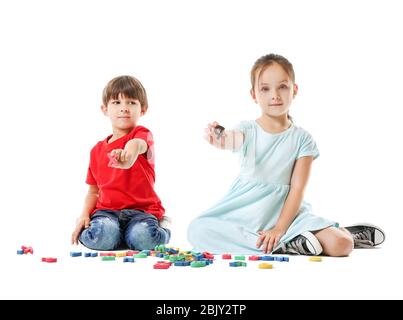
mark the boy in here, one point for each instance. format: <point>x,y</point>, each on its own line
<point>121,208</point>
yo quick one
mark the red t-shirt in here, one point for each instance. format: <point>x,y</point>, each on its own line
<point>125,188</point>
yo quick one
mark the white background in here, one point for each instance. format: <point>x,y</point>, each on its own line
<point>194,57</point>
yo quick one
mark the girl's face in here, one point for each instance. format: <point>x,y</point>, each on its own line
<point>274,91</point>
<point>124,112</point>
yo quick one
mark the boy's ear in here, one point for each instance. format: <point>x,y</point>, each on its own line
<point>295,91</point>
<point>253,95</point>
<point>104,109</point>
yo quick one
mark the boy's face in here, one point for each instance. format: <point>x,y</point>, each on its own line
<point>274,91</point>
<point>123,112</point>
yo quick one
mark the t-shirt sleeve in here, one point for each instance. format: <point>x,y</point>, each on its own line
<point>90,178</point>
<point>143,134</point>
<point>308,147</point>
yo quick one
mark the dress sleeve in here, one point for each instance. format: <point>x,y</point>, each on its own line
<point>247,154</point>
<point>308,147</point>
<point>243,127</point>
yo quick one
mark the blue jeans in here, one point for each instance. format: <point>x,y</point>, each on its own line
<point>122,229</point>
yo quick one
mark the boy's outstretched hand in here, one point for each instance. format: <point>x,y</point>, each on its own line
<point>82,222</point>
<point>268,239</point>
<point>121,159</point>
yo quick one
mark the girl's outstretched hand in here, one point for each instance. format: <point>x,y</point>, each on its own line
<point>268,239</point>
<point>214,134</point>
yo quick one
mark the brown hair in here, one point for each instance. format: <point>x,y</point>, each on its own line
<point>127,86</point>
<point>263,62</point>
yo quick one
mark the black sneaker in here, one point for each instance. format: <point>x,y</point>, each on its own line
<point>304,244</point>
<point>366,235</point>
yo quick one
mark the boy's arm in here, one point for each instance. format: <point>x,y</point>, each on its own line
<point>90,200</point>
<point>136,145</point>
<point>227,140</point>
<point>127,157</point>
<point>269,239</point>
<point>83,220</point>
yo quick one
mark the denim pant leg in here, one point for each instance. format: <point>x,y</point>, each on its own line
<point>103,233</point>
<point>143,232</point>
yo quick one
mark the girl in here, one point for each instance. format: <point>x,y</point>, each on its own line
<point>264,209</point>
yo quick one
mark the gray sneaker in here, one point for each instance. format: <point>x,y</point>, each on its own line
<point>304,244</point>
<point>366,235</point>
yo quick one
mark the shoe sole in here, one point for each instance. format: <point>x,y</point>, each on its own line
<point>379,233</point>
<point>313,243</point>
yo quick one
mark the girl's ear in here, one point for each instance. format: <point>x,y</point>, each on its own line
<point>253,95</point>
<point>295,91</point>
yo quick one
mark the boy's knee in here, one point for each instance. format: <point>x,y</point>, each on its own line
<point>103,234</point>
<point>143,236</point>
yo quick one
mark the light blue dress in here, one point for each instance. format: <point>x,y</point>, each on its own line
<point>256,197</point>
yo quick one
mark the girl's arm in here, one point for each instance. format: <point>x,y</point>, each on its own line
<point>269,239</point>
<point>299,180</point>
<point>228,140</point>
